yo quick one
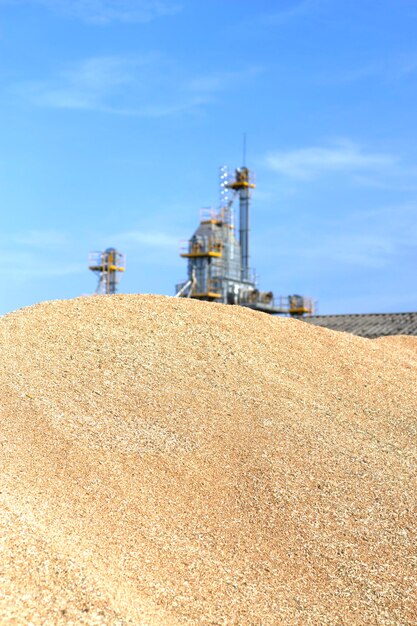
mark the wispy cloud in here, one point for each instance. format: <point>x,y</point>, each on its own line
<point>355,74</point>
<point>293,11</point>
<point>389,69</point>
<point>43,239</point>
<point>106,11</point>
<point>31,266</point>
<point>37,253</point>
<point>368,239</point>
<point>364,250</point>
<point>356,240</point>
<point>92,84</point>
<point>407,65</point>
<point>153,239</point>
<point>343,157</point>
<point>148,249</point>
<point>148,86</point>
<point>213,82</point>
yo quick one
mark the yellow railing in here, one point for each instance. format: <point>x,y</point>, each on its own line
<point>212,248</point>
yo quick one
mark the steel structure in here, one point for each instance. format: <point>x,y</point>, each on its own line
<point>107,266</point>
<point>243,186</point>
<point>218,262</point>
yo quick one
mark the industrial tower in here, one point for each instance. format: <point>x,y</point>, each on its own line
<point>218,263</point>
<point>107,265</point>
<point>242,185</point>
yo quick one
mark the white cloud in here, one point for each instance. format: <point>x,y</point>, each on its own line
<point>37,253</point>
<point>343,157</point>
<point>358,239</point>
<point>293,11</point>
<point>407,64</point>
<point>154,239</point>
<point>364,250</point>
<point>146,86</point>
<point>336,250</point>
<point>44,239</point>
<point>390,69</point>
<point>106,11</point>
<point>89,85</point>
<point>217,81</point>
<point>23,265</point>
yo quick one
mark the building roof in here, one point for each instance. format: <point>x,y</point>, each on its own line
<point>369,325</point>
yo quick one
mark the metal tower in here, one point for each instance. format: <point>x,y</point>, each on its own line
<point>218,263</point>
<point>243,185</point>
<point>107,265</point>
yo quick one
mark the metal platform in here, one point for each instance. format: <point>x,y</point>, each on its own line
<point>369,325</point>
<point>266,308</point>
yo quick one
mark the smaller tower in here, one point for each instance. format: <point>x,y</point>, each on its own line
<point>107,265</point>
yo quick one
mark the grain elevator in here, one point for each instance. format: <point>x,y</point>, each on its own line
<point>219,261</point>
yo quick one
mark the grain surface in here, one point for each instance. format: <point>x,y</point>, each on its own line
<point>172,462</point>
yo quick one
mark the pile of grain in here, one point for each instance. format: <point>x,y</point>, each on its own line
<point>176,462</point>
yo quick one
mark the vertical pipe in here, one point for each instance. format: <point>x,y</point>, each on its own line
<point>244,231</point>
<point>112,276</point>
<point>109,274</point>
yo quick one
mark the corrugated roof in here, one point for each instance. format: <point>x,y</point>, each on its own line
<point>369,325</point>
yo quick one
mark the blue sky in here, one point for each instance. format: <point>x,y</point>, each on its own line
<point>115,116</point>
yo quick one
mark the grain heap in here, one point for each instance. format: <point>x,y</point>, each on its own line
<point>169,462</point>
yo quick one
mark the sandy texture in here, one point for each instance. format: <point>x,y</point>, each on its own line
<point>170,462</point>
<point>401,341</point>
